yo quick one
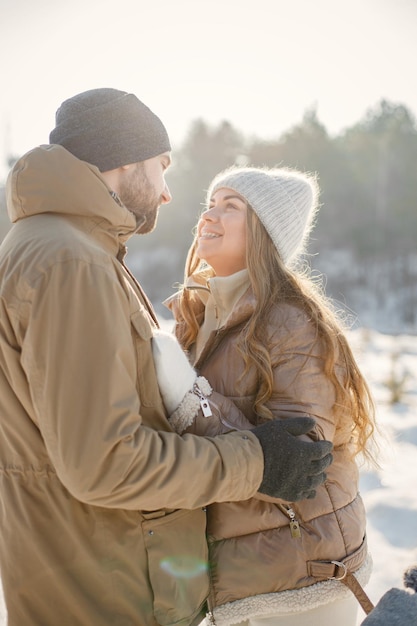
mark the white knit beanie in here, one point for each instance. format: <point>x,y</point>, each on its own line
<point>284,200</point>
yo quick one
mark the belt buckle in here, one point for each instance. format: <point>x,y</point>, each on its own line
<point>345,571</point>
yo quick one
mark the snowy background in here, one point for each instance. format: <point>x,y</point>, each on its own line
<point>390,493</point>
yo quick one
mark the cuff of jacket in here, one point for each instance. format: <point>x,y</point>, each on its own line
<point>187,411</point>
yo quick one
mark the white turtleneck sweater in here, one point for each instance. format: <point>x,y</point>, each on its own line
<point>224,292</point>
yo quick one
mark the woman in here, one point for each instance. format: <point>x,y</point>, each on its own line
<point>263,334</point>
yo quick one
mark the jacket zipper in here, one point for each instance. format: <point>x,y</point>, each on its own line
<point>225,422</point>
<point>294,524</point>
<point>210,600</point>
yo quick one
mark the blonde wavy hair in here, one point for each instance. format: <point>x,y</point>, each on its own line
<point>272,282</point>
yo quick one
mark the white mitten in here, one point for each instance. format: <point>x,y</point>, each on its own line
<point>182,391</point>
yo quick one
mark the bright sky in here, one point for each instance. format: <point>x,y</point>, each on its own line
<point>259,64</point>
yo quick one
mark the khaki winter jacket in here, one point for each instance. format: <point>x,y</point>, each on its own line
<point>101,504</point>
<point>267,555</point>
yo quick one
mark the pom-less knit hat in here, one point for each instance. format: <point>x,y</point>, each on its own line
<point>109,128</point>
<point>284,200</point>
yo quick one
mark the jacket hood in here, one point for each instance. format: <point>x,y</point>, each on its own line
<point>49,179</point>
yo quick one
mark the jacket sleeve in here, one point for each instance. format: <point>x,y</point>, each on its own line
<point>301,386</point>
<point>79,356</point>
<point>225,417</point>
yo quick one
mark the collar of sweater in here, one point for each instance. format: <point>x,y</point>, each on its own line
<point>219,301</point>
<point>224,292</point>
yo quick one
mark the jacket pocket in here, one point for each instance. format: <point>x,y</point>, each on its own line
<point>142,331</point>
<point>178,565</point>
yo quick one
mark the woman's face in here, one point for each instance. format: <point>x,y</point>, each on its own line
<point>221,232</point>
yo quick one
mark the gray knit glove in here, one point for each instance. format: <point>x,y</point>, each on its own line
<point>293,467</point>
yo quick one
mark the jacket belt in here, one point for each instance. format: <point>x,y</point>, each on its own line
<point>343,571</point>
<point>336,569</point>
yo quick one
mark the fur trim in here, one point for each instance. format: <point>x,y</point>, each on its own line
<point>187,411</point>
<point>291,601</point>
<point>204,386</point>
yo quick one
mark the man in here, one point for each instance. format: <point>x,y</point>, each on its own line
<point>102,504</point>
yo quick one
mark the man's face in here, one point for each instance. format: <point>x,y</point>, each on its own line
<point>143,189</point>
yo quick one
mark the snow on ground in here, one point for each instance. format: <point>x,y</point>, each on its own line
<point>390,493</point>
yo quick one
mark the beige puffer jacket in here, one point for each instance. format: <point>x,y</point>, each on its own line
<point>272,557</point>
<point>101,504</point>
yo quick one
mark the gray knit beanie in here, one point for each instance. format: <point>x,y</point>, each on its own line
<point>109,128</point>
<point>284,200</point>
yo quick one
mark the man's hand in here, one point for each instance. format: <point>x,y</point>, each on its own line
<point>293,467</point>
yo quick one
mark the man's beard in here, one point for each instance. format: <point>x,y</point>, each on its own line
<point>139,196</point>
